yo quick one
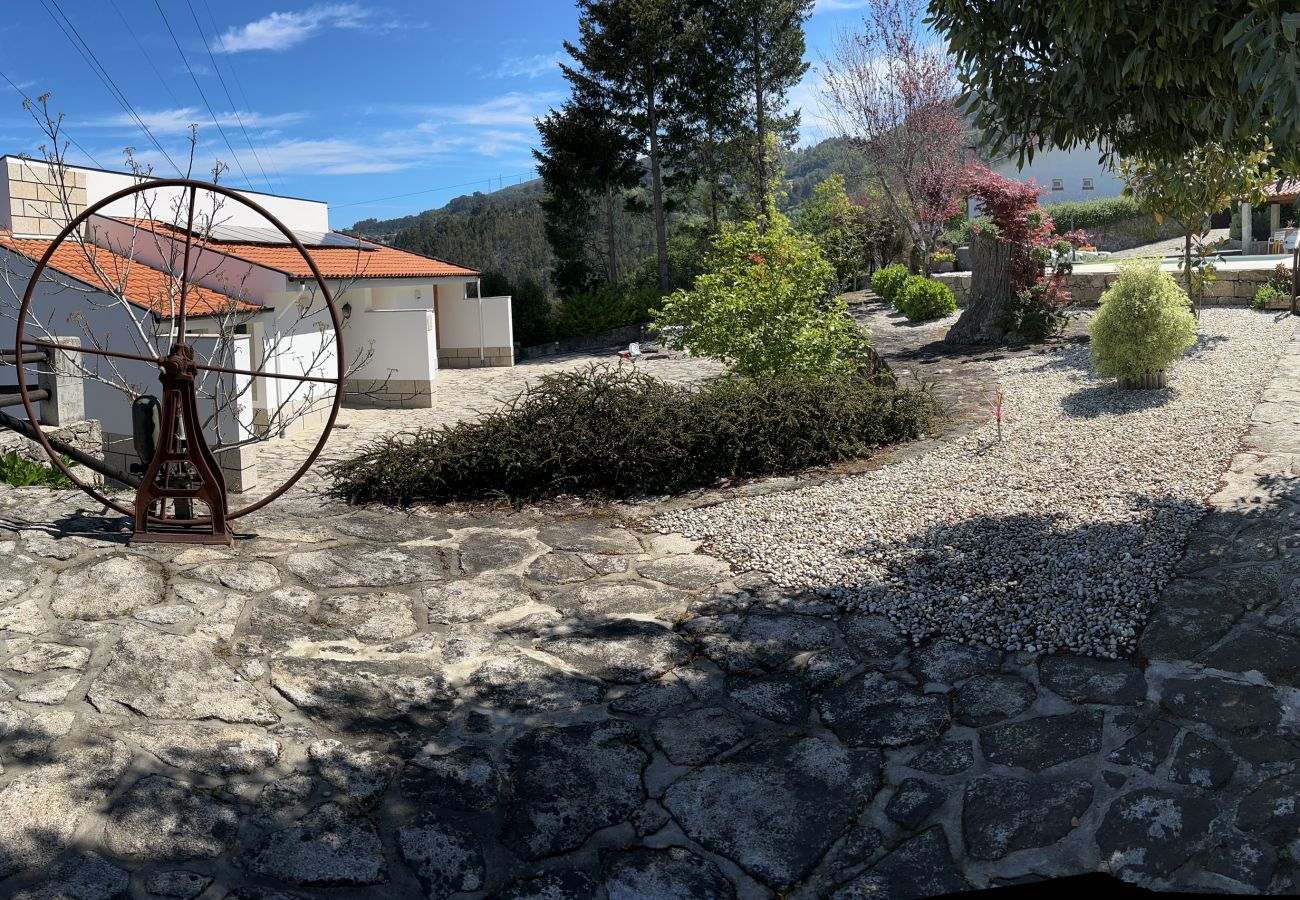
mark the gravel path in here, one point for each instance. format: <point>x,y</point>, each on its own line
<point>1059,536</point>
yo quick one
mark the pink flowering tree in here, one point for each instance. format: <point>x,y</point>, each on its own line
<point>890,89</point>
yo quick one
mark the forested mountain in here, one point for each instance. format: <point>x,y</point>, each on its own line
<point>503,231</point>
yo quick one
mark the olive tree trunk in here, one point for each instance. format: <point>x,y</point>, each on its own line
<point>990,289</point>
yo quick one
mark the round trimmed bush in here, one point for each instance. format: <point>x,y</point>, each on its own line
<point>922,299</point>
<point>1145,322</point>
<point>887,282</point>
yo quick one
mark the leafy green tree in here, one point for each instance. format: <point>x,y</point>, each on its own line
<point>587,160</point>
<point>1147,79</point>
<point>1193,186</point>
<point>531,314</point>
<point>838,227</point>
<point>764,306</point>
<point>1144,323</point>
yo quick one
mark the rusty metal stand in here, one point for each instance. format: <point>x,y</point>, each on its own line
<point>177,448</point>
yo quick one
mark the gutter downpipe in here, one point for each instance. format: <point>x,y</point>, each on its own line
<point>478,289</point>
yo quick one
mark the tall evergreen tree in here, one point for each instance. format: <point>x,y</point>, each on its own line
<point>587,160</point>
<point>627,54</point>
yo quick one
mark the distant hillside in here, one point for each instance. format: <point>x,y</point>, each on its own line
<point>503,231</point>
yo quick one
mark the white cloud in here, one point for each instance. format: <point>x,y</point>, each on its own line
<point>178,121</point>
<point>530,66</point>
<point>282,30</point>
<point>512,109</point>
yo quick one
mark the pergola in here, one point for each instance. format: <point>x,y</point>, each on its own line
<point>1287,190</point>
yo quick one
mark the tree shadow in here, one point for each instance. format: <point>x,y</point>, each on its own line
<point>1109,399</point>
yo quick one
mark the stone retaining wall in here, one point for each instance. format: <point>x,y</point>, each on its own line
<point>621,336</point>
<point>1232,287</point>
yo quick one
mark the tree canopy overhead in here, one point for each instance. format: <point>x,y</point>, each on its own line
<point>1152,77</point>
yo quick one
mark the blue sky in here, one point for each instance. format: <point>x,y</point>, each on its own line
<point>380,109</point>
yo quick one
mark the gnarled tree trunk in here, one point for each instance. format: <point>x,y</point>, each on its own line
<point>990,289</point>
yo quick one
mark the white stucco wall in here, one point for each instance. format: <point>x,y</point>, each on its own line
<point>461,325</point>
<point>1071,167</point>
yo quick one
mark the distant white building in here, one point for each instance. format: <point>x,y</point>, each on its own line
<point>1076,174</point>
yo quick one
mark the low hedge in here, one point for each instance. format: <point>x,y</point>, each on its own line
<point>608,432</point>
<point>922,299</point>
<point>1092,215</point>
<point>887,282</point>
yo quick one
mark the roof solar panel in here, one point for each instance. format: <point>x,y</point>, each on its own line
<point>245,235</point>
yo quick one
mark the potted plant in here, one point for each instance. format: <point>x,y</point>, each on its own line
<point>942,261</point>
<point>1145,323</point>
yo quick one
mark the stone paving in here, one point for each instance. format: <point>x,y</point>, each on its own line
<point>555,704</point>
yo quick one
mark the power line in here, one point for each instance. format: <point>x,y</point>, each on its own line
<point>88,55</point>
<point>445,187</point>
<point>233,107</point>
<point>199,87</point>
<point>71,140</point>
<point>165,82</point>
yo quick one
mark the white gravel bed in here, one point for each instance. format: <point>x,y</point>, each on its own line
<point>1059,536</point>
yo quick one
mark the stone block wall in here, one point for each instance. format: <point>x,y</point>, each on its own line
<point>34,204</point>
<point>468,357</point>
<point>364,393</point>
<point>1232,287</point>
<point>84,435</point>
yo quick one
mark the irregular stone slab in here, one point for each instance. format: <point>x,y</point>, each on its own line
<point>775,807</point>
<point>246,576</point>
<point>169,676</point>
<point>475,599</point>
<point>1271,810</point>
<point>107,589</point>
<point>30,735</point>
<point>1038,744</point>
<point>559,568</point>
<point>1085,679</point>
<point>465,779</point>
<point>588,536</point>
<point>872,710</point>
<point>1202,763</point>
<point>672,874</point>
<point>325,848</point>
<point>603,564</point>
<point>346,567</point>
<point>945,758</point>
<point>445,857</point>
<point>495,550</point>
<point>287,791</point>
<point>179,883</point>
<point>777,697</point>
<point>653,698</point>
<point>1230,706</point>
<point>388,526</point>
<point>570,782</point>
<point>271,631</point>
<point>915,801</point>
<point>167,614</point>
<point>521,682</point>
<point>624,651</point>
<point>371,618</point>
<point>350,695</point>
<point>22,618</point>
<point>568,884</point>
<point>947,662</point>
<point>361,776</point>
<point>688,571</point>
<point>609,599</point>
<point>1193,613</point>
<point>42,808</point>
<point>697,736</point>
<point>51,690</point>
<point>985,699</point>
<point>42,657</point>
<point>86,876</point>
<point>874,640</point>
<point>219,751</point>
<point>165,820</point>
<point>1150,833</point>
<point>467,643</point>
<point>1148,748</point>
<point>1003,815</point>
<point>1275,656</point>
<point>828,667</point>
<point>1245,859</point>
<point>920,867</point>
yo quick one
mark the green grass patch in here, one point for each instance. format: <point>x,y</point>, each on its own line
<point>17,471</point>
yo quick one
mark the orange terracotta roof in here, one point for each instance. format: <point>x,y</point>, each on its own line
<point>365,261</point>
<point>142,285</point>
<point>1287,190</point>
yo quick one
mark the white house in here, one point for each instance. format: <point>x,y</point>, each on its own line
<point>405,315</point>
<point>1076,174</point>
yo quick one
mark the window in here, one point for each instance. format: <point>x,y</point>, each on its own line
<point>1087,184</point>
<point>1058,184</point>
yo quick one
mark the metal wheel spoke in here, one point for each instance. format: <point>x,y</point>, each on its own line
<point>74,348</point>
<point>260,374</point>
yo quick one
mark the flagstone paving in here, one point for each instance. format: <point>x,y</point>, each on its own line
<point>556,704</point>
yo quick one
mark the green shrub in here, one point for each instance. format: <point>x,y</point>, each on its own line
<point>17,471</point>
<point>887,282</point>
<point>922,299</point>
<point>764,306</point>
<point>613,432</point>
<point>584,313</point>
<point>1268,294</point>
<point>1091,215</point>
<point>1145,322</point>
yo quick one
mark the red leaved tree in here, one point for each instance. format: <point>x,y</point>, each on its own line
<point>890,89</point>
<point>1021,222</point>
